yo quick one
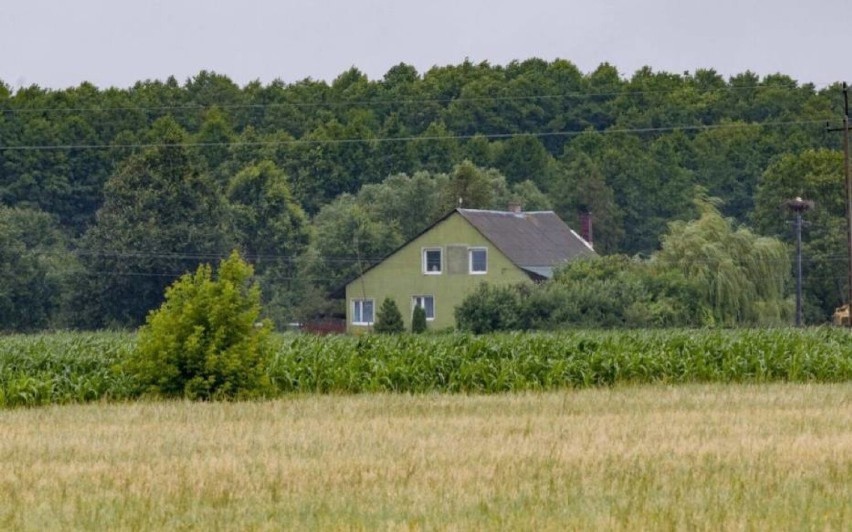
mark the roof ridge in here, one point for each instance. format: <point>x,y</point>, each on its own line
<point>505,212</point>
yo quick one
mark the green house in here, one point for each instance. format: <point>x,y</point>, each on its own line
<point>439,267</point>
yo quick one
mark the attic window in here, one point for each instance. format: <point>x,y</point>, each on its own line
<point>478,261</point>
<point>432,263</point>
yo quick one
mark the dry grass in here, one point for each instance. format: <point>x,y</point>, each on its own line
<point>692,457</point>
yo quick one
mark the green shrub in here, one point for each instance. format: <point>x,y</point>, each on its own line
<point>205,341</point>
<point>600,292</point>
<point>388,318</point>
<point>418,320</point>
<point>490,308</point>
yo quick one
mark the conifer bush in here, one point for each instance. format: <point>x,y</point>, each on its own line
<point>205,341</point>
<point>418,320</point>
<point>388,318</point>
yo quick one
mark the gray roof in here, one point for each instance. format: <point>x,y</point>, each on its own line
<point>535,241</point>
<point>540,272</point>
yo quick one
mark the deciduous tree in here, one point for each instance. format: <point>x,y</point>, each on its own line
<point>161,218</point>
<point>206,341</point>
<point>743,276</point>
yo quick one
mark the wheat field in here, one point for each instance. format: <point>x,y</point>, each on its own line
<point>721,457</point>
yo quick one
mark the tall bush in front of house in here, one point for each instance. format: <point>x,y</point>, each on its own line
<point>597,292</point>
<point>418,320</point>
<point>205,341</point>
<point>489,309</point>
<point>388,318</point>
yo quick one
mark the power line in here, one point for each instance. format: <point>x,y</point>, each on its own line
<point>312,142</point>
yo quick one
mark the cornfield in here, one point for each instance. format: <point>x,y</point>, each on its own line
<point>539,361</point>
<point>63,368</point>
<point>82,367</point>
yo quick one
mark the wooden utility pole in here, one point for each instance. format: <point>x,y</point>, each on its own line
<point>845,130</point>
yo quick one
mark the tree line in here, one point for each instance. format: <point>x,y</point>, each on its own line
<point>109,195</point>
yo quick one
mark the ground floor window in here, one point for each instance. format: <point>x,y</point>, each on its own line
<point>427,303</point>
<point>362,311</point>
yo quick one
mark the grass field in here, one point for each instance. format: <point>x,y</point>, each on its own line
<point>720,457</point>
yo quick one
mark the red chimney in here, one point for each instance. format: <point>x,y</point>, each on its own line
<point>586,227</point>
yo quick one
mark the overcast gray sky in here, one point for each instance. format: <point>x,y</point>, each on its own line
<point>60,43</point>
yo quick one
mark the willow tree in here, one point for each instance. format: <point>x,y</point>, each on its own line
<point>743,276</point>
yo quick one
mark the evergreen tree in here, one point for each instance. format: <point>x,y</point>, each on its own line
<point>579,188</point>
<point>418,320</point>
<point>388,318</point>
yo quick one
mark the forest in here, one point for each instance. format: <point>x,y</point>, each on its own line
<point>108,195</point>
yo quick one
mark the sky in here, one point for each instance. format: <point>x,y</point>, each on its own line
<point>114,43</point>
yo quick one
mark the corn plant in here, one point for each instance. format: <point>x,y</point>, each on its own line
<point>79,367</point>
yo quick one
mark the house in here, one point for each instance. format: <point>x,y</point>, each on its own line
<point>439,267</point>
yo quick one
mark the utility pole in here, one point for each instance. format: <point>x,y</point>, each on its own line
<point>845,130</point>
<point>799,206</point>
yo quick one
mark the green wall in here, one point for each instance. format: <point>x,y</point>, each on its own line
<point>401,276</point>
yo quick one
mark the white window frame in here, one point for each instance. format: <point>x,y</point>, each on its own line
<point>415,303</point>
<point>424,261</point>
<point>470,261</point>
<point>356,315</point>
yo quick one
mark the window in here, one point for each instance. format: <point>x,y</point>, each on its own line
<point>427,303</point>
<point>478,260</point>
<point>432,263</point>
<point>362,311</point>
